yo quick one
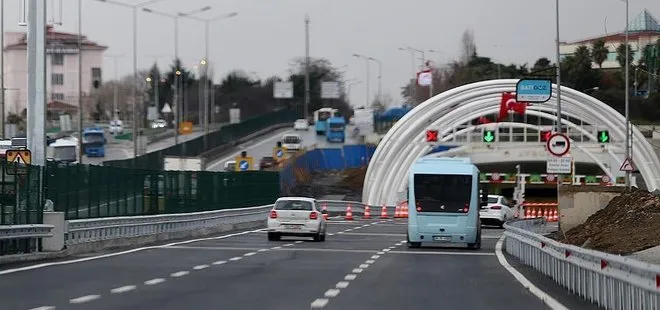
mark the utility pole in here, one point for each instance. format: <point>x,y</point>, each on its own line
<point>2,69</point>
<point>627,102</point>
<point>36,111</point>
<point>307,92</point>
<point>80,92</point>
<point>559,129</point>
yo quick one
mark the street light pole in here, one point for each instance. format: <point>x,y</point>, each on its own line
<point>2,69</point>
<point>627,102</point>
<point>80,100</point>
<point>307,82</point>
<point>368,79</point>
<point>380,78</point>
<point>559,129</point>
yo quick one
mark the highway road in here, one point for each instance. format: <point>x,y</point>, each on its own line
<point>364,264</point>
<point>263,146</point>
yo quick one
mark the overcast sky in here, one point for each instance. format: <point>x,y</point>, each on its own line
<point>267,34</point>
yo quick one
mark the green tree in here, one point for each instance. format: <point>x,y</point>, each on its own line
<point>621,55</point>
<point>577,70</point>
<point>320,70</point>
<point>599,52</point>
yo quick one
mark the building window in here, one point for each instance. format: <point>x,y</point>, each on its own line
<point>96,74</point>
<point>57,96</point>
<point>57,79</point>
<point>57,59</point>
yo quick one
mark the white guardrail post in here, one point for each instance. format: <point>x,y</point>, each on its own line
<point>611,281</point>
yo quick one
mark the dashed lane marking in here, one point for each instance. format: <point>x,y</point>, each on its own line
<point>370,261</point>
<point>44,308</point>
<point>350,277</point>
<point>364,266</point>
<point>375,256</point>
<point>342,284</point>
<point>123,289</point>
<point>249,254</point>
<point>154,281</point>
<point>179,274</point>
<point>373,234</point>
<point>331,292</point>
<point>237,258</point>
<point>380,253</point>
<point>200,267</point>
<point>84,299</point>
<point>299,242</point>
<point>444,253</point>
<point>276,248</point>
<point>357,270</point>
<point>319,303</point>
<point>262,250</point>
<point>289,244</point>
<point>220,262</point>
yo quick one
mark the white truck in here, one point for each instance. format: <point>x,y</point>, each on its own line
<point>183,163</point>
<point>63,150</point>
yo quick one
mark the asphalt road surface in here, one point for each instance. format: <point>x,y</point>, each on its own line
<point>263,146</point>
<point>363,264</point>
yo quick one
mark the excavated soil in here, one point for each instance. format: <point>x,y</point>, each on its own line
<point>347,183</point>
<point>630,223</point>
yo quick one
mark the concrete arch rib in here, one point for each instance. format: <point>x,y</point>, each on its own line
<point>399,149</point>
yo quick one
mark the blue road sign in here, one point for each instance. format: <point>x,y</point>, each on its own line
<point>533,90</point>
<point>280,153</point>
<point>245,165</point>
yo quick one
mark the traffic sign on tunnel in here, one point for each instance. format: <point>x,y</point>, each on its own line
<point>603,136</point>
<point>489,136</point>
<point>545,135</point>
<point>431,136</point>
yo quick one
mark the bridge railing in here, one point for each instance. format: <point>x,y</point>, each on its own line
<point>611,281</point>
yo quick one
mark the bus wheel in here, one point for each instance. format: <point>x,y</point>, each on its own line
<point>412,244</point>
<point>477,244</point>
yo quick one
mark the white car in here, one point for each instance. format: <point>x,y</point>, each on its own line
<point>497,212</point>
<point>301,124</point>
<point>296,216</point>
<point>158,123</point>
<point>116,127</point>
<point>292,142</point>
<point>230,166</point>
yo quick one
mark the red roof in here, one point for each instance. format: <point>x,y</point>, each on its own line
<point>60,106</point>
<point>63,37</point>
<point>618,37</point>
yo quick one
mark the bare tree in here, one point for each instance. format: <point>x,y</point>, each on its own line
<point>468,46</point>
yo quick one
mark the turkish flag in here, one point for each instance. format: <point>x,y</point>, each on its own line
<point>484,120</point>
<point>509,103</point>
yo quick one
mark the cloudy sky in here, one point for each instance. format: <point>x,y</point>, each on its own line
<point>267,34</point>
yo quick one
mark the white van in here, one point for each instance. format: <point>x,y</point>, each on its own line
<point>292,142</point>
<point>63,150</point>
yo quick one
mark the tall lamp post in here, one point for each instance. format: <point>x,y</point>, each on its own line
<point>368,79</point>
<point>629,128</point>
<point>134,89</point>
<point>380,78</point>
<point>348,89</point>
<point>413,55</point>
<point>177,74</point>
<point>206,62</point>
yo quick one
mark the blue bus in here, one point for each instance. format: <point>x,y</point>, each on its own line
<point>335,129</point>
<point>321,117</point>
<point>444,200</point>
<point>94,142</point>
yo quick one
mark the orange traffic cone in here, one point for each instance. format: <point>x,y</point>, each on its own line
<point>367,212</point>
<point>397,211</point>
<point>349,213</point>
<point>404,210</point>
<point>325,214</point>
<point>528,213</point>
<point>555,215</point>
<point>383,212</point>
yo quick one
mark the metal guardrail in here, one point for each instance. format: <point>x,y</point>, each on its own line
<point>611,281</point>
<point>8,232</point>
<point>93,230</point>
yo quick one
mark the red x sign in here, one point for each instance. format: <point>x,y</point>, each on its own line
<point>431,136</point>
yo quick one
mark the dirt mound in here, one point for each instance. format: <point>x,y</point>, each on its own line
<point>630,223</point>
<point>354,178</point>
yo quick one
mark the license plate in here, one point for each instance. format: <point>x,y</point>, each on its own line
<point>293,227</point>
<point>441,238</point>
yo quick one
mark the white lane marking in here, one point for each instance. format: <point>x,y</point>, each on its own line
<point>123,289</point>
<point>392,247</point>
<point>237,258</point>
<point>188,247</point>
<point>44,308</point>
<point>262,250</point>
<point>276,247</point>
<point>200,267</point>
<point>80,260</point>
<point>386,250</point>
<point>319,303</point>
<point>342,284</point>
<point>331,292</point>
<point>220,262</point>
<point>179,274</point>
<point>547,299</point>
<point>444,253</point>
<point>154,281</point>
<point>357,270</point>
<point>331,234</point>
<point>381,253</point>
<point>84,299</point>
<point>364,266</point>
<point>375,256</point>
<point>299,241</point>
<point>374,234</point>
<point>340,232</point>
<point>350,277</point>
<point>249,254</point>
<point>289,244</point>
<point>370,261</point>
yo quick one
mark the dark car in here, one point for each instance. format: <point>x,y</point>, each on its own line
<point>266,162</point>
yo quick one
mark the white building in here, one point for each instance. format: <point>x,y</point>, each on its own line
<point>643,30</point>
<point>62,70</point>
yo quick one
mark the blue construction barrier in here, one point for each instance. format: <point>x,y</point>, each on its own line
<point>346,157</point>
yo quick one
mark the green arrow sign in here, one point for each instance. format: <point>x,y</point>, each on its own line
<point>489,136</point>
<point>603,136</point>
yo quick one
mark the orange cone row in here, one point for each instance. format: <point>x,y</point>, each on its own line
<point>550,214</point>
<point>401,211</point>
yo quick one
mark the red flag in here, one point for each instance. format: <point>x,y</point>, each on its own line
<point>509,103</point>
<point>484,120</point>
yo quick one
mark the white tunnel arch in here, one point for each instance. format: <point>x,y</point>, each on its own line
<point>403,143</point>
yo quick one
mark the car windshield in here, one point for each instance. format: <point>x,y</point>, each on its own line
<point>492,199</point>
<point>442,193</point>
<point>268,158</point>
<point>293,205</point>
<point>291,139</point>
<point>65,153</point>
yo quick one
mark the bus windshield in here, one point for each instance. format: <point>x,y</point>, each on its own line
<point>324,116</point>
<point>337,126</point>
<point>442,192</point>
<point>96,138</point>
